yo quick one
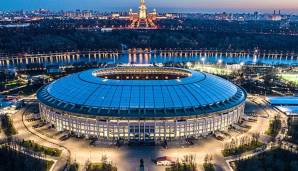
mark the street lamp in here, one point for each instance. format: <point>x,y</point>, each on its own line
<point>203,60</point>
<point>188,64</point>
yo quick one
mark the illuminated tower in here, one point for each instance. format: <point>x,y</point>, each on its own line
<point>143,10</point>
<point>142,19</point>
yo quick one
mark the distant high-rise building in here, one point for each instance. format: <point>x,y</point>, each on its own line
<point>87,14</point>
<point>142,19</point>
<point>143,10</point>
<point>256,15</point>
<point>276,17</point>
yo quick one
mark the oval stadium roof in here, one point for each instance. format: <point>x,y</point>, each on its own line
<point>85,93</point>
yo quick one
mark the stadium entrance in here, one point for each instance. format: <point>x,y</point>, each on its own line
<point>141,133</point>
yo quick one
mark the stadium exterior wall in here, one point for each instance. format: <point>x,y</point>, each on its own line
<point>155,130</point>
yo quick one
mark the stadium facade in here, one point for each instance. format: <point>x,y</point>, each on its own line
<point>144,104</point>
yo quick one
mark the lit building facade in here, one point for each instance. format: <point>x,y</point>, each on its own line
<point>143,104</point>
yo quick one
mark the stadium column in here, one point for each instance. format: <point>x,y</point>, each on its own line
<point>164,130</point>
<point>128,130</point>
<point>205,127</point>
<point>197,131</point>
<point>185,129</point>
<point>108,130</point>
<point>40,111</point>
<point>242,110</point>
<point>154,130</point>
<point>97,128</point>
<point>213,124</point>
<point>139,131</point>
<point>45,113</point>
<point>118,131</point>
<point>221,126</point>
<point>56,119</point>
<point>80,128</point>
<point>86,127</point>
<point>226,120</point>
<point>144,133</point>
<point>124,132</point>
<point>175,133</point>
<point>69,122</point>
<point>61,122</point>
<point>236,114</point>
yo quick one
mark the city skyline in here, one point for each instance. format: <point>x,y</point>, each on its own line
<point>287,6</point>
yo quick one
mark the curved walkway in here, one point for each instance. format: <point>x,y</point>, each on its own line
<point>66,153</point>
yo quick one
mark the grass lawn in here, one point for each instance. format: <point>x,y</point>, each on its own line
<point>290,77</point>
<point>41,149</point>
<point>11,84</point>
<point>213,69</point>
<point>241,149</point>
<point>101,167</point>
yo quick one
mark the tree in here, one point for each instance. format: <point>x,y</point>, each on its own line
<point>208,165</point>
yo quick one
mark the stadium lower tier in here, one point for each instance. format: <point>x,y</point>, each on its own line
<point>143,130</point>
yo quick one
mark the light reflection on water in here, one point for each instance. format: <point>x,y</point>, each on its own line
<point>150,58</point>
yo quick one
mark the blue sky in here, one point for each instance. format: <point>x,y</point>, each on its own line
<point>165,5</point>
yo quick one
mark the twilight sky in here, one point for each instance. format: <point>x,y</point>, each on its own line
<point>164,5</point>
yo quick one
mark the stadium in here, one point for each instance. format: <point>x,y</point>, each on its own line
<point>141,104</point>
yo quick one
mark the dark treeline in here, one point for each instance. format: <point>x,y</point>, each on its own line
<point>277,160</point>
<point>51,39</point>
<point>82,23</point>
<point>277,27</point>
<point>11,160</point>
